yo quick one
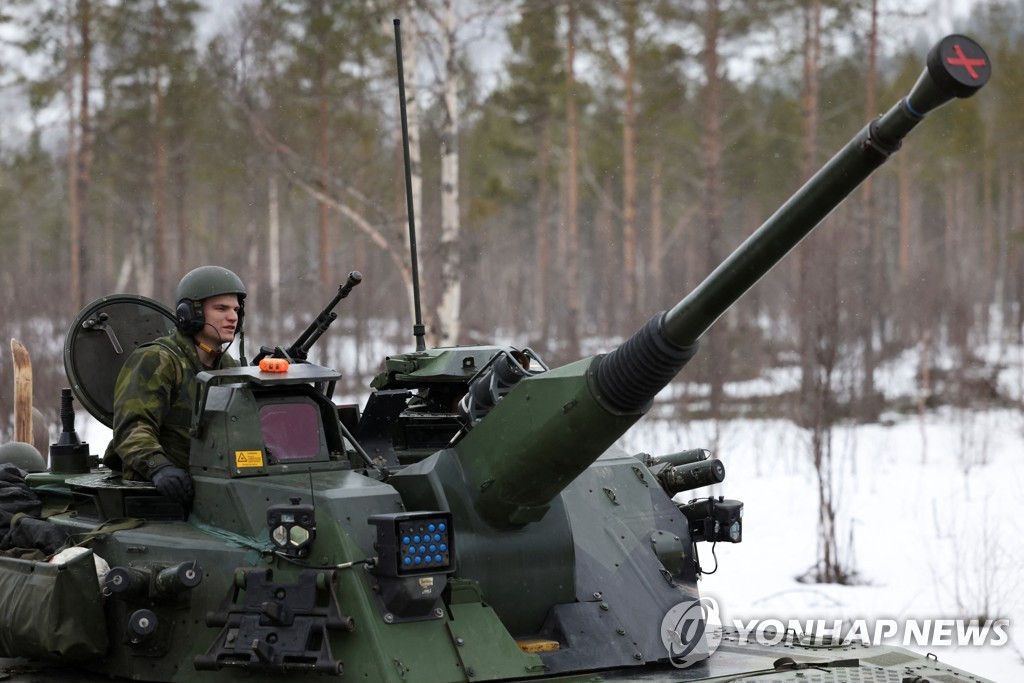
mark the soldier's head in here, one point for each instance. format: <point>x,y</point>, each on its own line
<point>210,304</point>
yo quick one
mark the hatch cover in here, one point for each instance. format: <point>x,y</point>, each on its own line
<point>99,341</point>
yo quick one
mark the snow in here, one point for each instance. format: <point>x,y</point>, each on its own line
<point>933,508</point>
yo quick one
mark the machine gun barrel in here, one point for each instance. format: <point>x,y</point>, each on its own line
<point>552,426</point>
<point>300,349</point>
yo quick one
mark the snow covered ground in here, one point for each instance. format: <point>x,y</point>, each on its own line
<point>930,514</point>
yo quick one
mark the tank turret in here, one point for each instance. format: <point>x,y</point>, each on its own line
<point>528,473</point>
<point>552,425</point>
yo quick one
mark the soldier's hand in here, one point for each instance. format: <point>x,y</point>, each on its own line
<point>173,482</point>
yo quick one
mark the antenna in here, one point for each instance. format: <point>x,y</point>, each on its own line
<point>418,330</point>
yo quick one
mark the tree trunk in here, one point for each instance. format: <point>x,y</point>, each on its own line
<point>542,253</point>
<point>159,184</point>
<point>629,181</point>
<point>819,301</point>
<point>711,158</point>
<point>74,215</point>
<point>323,154</point>
<point>809,93</point>
<point>84,154</point>
<point>22,392</point>
<point>905,212</point>
<point>571,228</point>
<point>608,309</point>
<point>871,303</point>
<point>657,238</point>
<point>449,309</point>
<point>806,257</point>
<point>274,248</point>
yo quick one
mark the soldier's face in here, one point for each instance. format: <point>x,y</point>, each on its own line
<point>221,315</point>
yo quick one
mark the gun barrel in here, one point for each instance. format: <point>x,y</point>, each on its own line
<point>300,349</point>
<point>551,427</point>
<point>636,371</point>
<point>956,67</point>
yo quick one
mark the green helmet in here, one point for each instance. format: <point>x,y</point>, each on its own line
<point>23,455</point>
<point>207,281</point>
<point>201,283</point>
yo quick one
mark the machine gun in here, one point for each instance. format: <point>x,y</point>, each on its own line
<point>299,350</point>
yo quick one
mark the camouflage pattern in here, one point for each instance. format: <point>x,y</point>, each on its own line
<point>153,400</point>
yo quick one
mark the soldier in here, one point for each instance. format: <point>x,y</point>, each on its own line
<point>156,388</point>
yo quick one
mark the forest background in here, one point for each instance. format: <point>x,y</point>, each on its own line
<point>577,166</point>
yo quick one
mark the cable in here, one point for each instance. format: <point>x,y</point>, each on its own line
<point>696,557</point>
<point>371,561</point>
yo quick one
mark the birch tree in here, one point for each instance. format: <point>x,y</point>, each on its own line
<point>446,30</point>
<point>446,320</point>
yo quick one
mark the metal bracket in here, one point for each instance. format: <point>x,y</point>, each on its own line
<point>277,626</point>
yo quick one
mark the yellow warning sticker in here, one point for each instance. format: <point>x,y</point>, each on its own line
<point>248,458</point>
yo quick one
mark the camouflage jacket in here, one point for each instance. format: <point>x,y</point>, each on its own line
<point>153,400</point>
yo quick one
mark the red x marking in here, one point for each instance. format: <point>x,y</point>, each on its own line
<point>962,60</point>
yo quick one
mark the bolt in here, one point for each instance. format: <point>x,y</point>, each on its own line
<point>637,656</point>
<point>470,671</point>
<point>438,613</point>
<point>389,618</point>
<point>597,595</point>
<point>143,622</point>
<point>621,631</point>
<point>604,606</point>
<point>460,642</point>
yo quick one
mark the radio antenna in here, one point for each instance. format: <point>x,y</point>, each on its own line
<point>418,330</point>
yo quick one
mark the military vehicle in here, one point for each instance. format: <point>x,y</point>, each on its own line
<point>472,522</point>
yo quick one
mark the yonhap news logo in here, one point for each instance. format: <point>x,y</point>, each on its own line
<point>905,632</point>
<point>691,631</point>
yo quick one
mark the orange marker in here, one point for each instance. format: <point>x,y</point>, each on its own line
<point>274,365</point>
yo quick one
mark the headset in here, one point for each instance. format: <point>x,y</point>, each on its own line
<point>189,316</point>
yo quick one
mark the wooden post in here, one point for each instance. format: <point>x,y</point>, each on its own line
<point>22,392</point>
